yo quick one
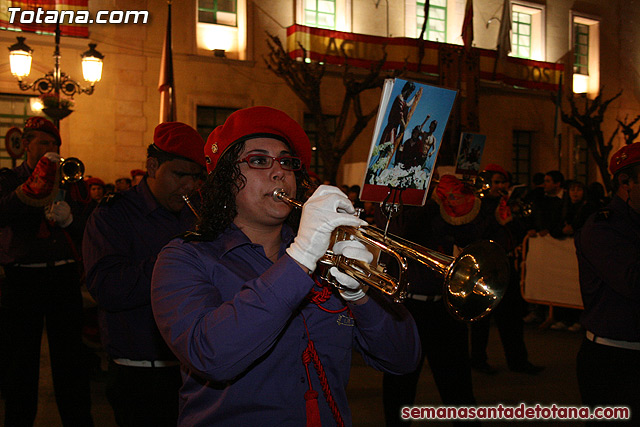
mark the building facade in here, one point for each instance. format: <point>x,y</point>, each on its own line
<point>219,51</point>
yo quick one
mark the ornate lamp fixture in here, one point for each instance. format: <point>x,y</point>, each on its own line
<point>55,82</point>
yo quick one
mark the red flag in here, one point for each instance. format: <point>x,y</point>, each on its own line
<point>504,35</point>
<point>467,25</point>
<point>165,84</point>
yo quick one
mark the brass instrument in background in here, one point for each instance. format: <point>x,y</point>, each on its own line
<point>71,170</point>
<point>474,282</point>
<point>519,207</point>
<point>482,184</point>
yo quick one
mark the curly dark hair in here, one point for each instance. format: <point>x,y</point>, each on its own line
<point>220,189</point>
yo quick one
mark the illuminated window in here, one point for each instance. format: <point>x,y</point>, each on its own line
<point>586,54</point>
<point>320,13</point>
<point>528,30</point>
<point>221,28</point>
<point>580,49</point>
<point>437,21</point>
<point>221,12</point>
<point>521,36</point>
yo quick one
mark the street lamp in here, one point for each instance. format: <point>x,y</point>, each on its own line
<point>55,82</point>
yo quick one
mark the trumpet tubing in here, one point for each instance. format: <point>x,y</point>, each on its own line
<point>474,282</point>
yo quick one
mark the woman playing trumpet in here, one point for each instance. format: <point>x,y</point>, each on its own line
<point>259,340</point>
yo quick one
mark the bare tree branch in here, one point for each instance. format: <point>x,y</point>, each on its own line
<point>588,124</point>
<point>627,130</point>
<point>305,79</point>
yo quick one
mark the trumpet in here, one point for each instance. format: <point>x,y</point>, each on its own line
<point>71,170</point>
<point>474,282</point>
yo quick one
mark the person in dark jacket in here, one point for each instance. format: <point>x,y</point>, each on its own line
<point>122,240</point>
<point>495,223</point>
<point>41,227</point>
<point>608,249</point>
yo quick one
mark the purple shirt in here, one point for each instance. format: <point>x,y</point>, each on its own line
<point>121,242</point>
<point>235,321</point>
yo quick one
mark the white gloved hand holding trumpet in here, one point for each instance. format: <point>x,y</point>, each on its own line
<point>327,208</point>
<point>354,250</point>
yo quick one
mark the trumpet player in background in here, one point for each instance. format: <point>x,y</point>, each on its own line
<point>444,221</point>
<point>261,342</point>
<point>40,237</point>
<point>122,240</point>
<point>495,222</point>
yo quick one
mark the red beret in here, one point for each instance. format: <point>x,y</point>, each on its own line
<point>257,122</point>
<point>626,156</point>
<point>492,167</point>
<point>43,125</point>
<point>138,172</point>
<point>94,181</point>
<point>180,140</point>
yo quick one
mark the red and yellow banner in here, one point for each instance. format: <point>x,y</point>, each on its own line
<point>66,28</point>
<point>364,50</point>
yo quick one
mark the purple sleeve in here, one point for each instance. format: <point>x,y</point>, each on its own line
<point>221,339</point>
<point>387,335</point>
<point>117,278</point>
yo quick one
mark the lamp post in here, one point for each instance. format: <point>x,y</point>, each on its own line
<point>55,82</point>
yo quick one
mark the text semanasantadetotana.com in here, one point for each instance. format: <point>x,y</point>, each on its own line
<point>521,412</point>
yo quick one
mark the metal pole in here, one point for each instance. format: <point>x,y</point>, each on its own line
<point>56,70</point>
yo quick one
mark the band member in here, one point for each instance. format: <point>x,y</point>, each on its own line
<point>608,249</point>
<point>261,341</point>
<point>437,225</point>
<point>40,237</point>
<point>493,225</point>
<point>122,239</point>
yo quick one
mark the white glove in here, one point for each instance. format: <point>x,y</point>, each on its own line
<point>354,250</point>
<point>60,213</point>
<point>327,208</point>
<point>54,157</point>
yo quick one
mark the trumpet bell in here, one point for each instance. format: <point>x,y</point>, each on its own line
<point>71,170</point>
<point>476,281</point>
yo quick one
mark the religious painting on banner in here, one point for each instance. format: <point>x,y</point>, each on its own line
<point>470,154</point>
<point>411,121</point>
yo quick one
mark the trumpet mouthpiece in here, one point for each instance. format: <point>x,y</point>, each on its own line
<point>279,194</point>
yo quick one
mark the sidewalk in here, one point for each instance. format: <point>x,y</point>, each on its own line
<point>556,350</point>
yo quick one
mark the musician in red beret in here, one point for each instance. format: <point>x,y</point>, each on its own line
<point>96,188</point>
<point>608,249</point>
<point>262,340</point>
<point>40,238</point>
<point>494,223</point>
<point>122,240</point>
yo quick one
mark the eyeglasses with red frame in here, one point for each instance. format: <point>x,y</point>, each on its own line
<point>263,161</point>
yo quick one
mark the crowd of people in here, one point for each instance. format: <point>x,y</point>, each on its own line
<point>208,306</point>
